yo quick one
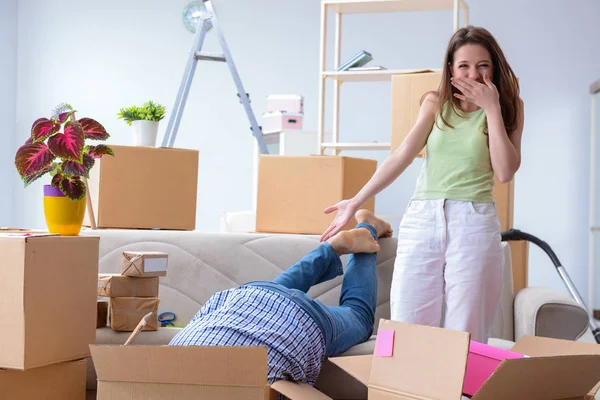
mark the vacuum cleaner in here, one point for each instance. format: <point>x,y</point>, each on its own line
<point>517,235</point>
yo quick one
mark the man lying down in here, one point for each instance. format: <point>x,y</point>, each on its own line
<point>299,332</point>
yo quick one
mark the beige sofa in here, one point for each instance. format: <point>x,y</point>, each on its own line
<point>201,264</point>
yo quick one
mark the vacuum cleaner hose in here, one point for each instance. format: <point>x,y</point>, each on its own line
<point>517,235</point>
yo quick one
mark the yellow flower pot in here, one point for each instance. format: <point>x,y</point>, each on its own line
<point>63,215</point>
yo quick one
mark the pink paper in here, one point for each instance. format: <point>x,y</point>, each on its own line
<point>384,345</point>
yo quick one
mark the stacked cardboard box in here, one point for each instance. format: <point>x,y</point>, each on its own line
<point>144,188</point>
<point>134,293</point>
<point>47,303</point>
<point>293,191</point>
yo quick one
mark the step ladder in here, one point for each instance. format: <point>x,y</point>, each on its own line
<point>207,20</point>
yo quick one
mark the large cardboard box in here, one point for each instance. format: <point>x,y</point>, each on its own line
<point>504,196</point>
<point>145,188</point>
<point>190,372</point>
<point>48,298</point>
<point>293,191</point>
<point>519,252</point>
<point>63,381</point>
<point>180,372</point>
<point>429,363</point>
<point>407,91</point>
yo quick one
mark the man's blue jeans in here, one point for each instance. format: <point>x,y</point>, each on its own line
<point>352,321</point>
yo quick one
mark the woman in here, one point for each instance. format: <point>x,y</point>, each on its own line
<point>448,269</point>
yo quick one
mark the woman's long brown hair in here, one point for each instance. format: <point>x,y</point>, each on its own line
<point>504,78</point>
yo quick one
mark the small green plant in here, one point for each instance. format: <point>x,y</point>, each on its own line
<point>150,111</point>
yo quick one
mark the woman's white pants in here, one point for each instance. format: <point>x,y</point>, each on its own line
<point>448,268</point>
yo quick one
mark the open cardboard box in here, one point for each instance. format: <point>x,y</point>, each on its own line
<point>423,363</point>
<point>430,363</point>
<point>187,372</point>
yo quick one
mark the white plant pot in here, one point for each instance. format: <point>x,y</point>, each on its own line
<point>144,133</point>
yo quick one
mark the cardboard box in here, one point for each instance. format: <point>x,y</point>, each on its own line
<point>63,381</point>
<point>144,263</point>
<point>182,372</point>
<point>504,196</point>
<point>145,188</point>
<point>189,372</point>
<point>519,252</point>
<point>293,191</point>
<point>102,314</point>
<point>127,312</point>
<point>47,298</point>
<point>430,363</point>
<point>115,285</point>
<point>482,361</point>
<point>407,91</point>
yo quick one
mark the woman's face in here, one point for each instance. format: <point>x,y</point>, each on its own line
<point>472,61</point>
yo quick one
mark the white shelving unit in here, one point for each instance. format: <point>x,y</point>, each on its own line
<point>594,237</point>
<point>341,7</point>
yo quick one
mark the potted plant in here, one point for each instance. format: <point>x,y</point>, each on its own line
<point>57,146</point>
<point>144,121</point>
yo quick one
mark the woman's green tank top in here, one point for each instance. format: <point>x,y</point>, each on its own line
<point>457,163</point>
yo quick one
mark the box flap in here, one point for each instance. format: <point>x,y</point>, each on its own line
<point>492,352</point>
<point>536,346</point>
<point>559,377</point>
<point>233,366</point>
<point>298,391</point>
<point>359,367</point>
<point>421,355</point>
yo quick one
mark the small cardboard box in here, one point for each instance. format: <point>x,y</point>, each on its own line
<point>115,285</point>
<point>102,314</point>
<point>145,188</point>
<point>482,361</point>
<point>293,191</point>
<point>423,355</point>
<point>47,298</point>
<point>144,263</point>
<point>407,91</point>
<point>62,381</point>
<point>127,312</point>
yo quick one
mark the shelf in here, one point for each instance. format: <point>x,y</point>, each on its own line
<point>386,6</point>
<point>357,146</point>
<point>372,76</point>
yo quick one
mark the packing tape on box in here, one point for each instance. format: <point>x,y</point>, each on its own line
<point>131,262</point>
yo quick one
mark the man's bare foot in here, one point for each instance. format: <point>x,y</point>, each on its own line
<point>354,241</point>
<point>383,229</point>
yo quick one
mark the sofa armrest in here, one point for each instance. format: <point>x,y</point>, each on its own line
<point>540,311</point>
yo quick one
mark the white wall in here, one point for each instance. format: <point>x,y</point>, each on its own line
<point>101,57</point>
<point>8,95</point>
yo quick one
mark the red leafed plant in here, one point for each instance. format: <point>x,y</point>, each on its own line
<point>57,146</point>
